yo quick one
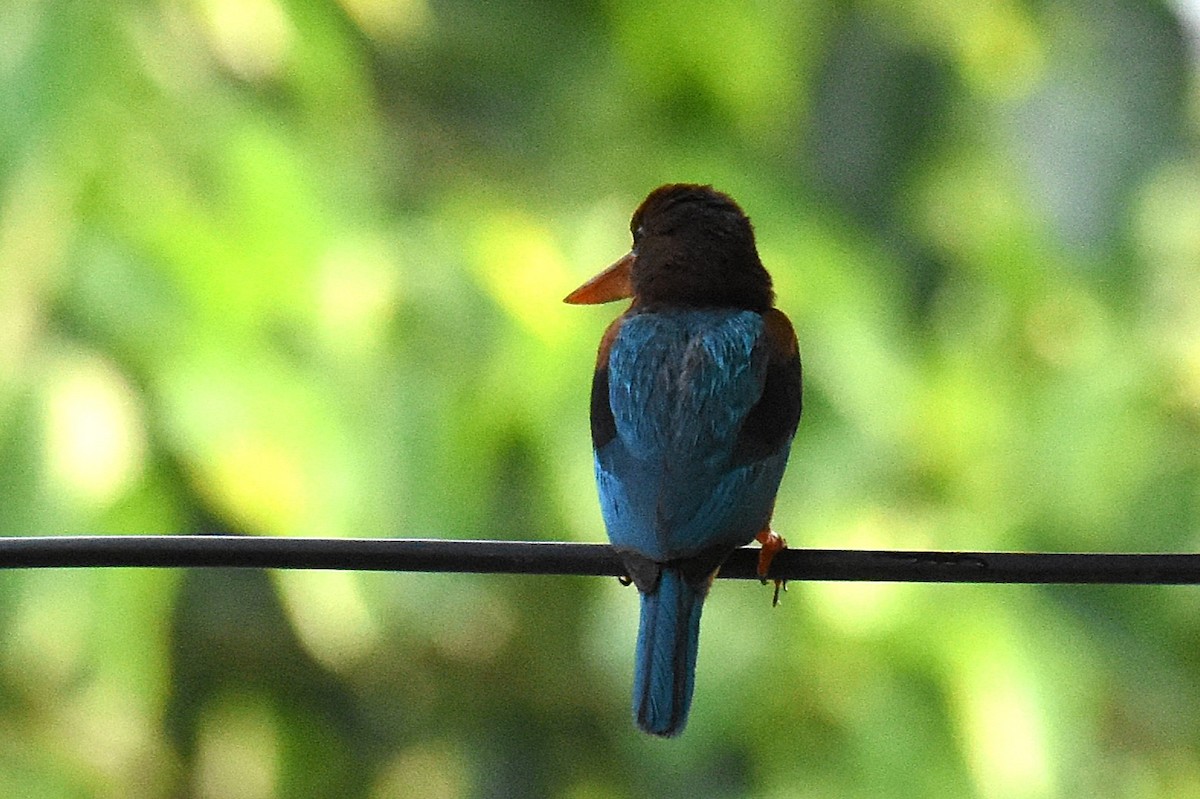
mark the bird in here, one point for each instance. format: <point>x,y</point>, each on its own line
<point>696,397</point>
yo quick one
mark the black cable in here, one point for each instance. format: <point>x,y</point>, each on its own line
<point>522,557</point>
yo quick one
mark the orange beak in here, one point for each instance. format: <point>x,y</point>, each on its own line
<point>611,284</point>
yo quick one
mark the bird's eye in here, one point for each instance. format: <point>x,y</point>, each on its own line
<point>638,231</point>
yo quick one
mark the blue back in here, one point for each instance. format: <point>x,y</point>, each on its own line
<point>681,383</point>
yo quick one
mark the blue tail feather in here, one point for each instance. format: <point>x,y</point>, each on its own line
<point>665,663</point>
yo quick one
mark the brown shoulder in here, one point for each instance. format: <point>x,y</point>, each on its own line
<point>780,335</point>
<point>604,425</point>
<point>771,423</point>
<point>606,341</point>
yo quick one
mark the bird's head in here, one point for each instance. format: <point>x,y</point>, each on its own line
<point>693,247</point>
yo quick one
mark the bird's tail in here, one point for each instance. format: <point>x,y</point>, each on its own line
<point>665,663</point>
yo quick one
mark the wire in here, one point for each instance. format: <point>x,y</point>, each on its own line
<point>527,557</point>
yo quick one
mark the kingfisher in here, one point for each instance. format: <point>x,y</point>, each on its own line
<point>695,400</point>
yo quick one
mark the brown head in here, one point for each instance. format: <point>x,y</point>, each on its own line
<point>693,247</point>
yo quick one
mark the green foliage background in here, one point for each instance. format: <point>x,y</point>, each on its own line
<point>286,267</point>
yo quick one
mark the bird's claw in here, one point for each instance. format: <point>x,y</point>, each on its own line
<point>625,580</point>
<point>779,584</point>
<point>772,544</point>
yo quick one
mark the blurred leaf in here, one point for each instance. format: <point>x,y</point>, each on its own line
<point>295,268</point>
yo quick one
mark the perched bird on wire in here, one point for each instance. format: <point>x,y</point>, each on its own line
<point>695,400</point>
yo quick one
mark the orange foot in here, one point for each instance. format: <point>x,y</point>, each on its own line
<point>772,544</point>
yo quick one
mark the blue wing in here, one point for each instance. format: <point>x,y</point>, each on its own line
<point>685,459</point>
